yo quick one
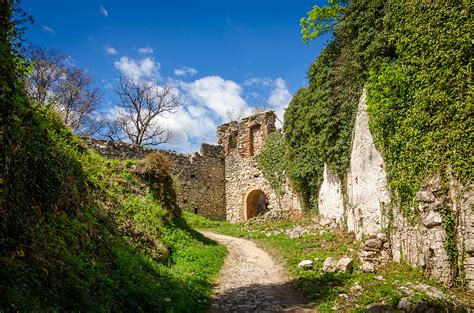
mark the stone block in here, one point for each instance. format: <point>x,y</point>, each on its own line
<point>425,196</point>
<point>329,265</point>
<point>306,265</point>
<point>373,243</point>
<point>345,265</point>
<point>431,219</point>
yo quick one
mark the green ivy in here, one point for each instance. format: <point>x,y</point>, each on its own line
<point>271,161</point>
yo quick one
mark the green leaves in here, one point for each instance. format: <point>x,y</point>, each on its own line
<point>271,161</point>
<point>321,20</point>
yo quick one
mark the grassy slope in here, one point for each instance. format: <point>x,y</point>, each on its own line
<point>117,243</point>
<point>324,288</point>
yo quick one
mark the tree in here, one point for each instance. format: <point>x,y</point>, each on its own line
<point>141,105</point>
<point>322,20</point>
<point>78,101</point>
<point>68,90</point>
<point>46,74</point>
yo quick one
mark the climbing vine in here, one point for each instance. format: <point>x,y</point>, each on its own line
<point>271,161</point>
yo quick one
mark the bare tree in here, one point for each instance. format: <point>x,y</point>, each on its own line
<point>141,105</point>
<point>46,74</point>
<point>68,90</point>
<point>78,101</point>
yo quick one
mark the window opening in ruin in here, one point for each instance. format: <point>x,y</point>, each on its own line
<point>195,210</point>
<point>233,141</point>
<point>255,139</point>
<point>256,203</point>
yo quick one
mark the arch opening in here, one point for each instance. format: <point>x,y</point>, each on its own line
<point>256,203</point>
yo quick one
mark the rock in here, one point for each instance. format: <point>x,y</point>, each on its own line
<point>324,221</point>
<point>345,265</point>
<point>367,254</point>
<point>306,265</point>
<point>469,244</point>
<point>430,291</point>
<point>294,233</point>
<point>380,278</point>
<point>405,304</point>
<point>329,265</point>
<point>167,300</point>
<point>367,267</point>
<point>373,244</point>
<point>431,219</point>
<point>425,196</point>
<point>355,288</point>
<point>343,295</point>
<point>382,237</point>
<point>386,245</point>
<point>316,259</point>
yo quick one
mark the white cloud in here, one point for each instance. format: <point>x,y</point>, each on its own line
<point>103,11</point>
<point>279,98</point>
<point>185,71</point>
<point>223,97</point>
<point>138,69</point>
<point>146,50</point>
<point>48,29</point>
<point>188,132</point>
<point>110,50</point>
<point>265,81</point>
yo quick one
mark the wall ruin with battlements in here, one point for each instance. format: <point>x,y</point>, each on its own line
<point>199,175</point>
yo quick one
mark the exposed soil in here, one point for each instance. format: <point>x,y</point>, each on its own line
<point>250,281</point>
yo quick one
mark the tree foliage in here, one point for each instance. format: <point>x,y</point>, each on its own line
<point>322,20</point>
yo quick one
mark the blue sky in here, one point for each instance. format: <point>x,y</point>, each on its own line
<point>223,56</point>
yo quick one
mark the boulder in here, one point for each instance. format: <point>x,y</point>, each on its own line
<point>345,265</point>
<point>306,265</point>
<point>329,265</point>
<point>367,267</point>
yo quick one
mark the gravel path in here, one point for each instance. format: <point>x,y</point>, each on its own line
<point>250,281</point>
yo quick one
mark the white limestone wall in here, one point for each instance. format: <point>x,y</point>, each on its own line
<point>420,243</point>
<point>330,199</point>
<point>366,179</point>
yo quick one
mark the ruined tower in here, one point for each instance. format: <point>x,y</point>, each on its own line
<point>247,191</point>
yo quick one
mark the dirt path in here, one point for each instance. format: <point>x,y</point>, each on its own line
<point>250,281</point>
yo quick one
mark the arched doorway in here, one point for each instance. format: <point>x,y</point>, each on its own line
<point>255,203</point>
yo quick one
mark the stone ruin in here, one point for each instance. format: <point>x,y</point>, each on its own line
<point>221,181</point>
<point>247,191</point>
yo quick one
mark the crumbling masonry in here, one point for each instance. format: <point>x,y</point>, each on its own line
<point>221,181</point>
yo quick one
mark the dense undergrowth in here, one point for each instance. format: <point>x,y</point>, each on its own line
<point>82,233</point>
<point>324,289</point>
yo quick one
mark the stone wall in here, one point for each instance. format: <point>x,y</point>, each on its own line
<point>200,176</point>
<point>241,142</point>
<point>366,211</point>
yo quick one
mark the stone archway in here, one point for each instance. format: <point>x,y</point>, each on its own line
<point>255,203</point>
